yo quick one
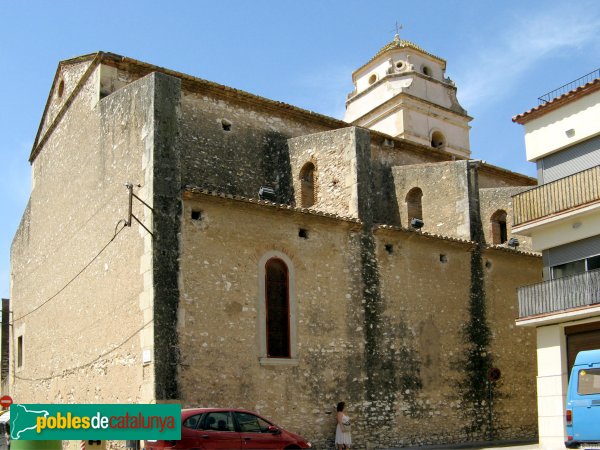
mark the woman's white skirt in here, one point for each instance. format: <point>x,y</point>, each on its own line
<point>342,438</point>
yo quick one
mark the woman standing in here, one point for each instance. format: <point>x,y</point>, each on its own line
<point>343,440</point>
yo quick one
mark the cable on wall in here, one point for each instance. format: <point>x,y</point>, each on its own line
<point>71,370</point>
<point>116,233</point>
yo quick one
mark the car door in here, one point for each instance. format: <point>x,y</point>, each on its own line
<point>586,408</point>
<point>217,431</point>
<point>255,434</point>
<point>189,431</point>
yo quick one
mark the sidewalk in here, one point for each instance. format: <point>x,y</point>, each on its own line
<point>496,445</point>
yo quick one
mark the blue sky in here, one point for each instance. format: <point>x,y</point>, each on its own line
<point>501,54</point>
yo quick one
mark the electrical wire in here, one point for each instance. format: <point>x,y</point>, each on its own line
<point>71,370</point>
<point>116,233</point>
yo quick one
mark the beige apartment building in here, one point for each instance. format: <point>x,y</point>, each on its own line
<point>562,218</point>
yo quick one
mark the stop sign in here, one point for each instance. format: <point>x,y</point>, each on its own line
<point>5,401</point>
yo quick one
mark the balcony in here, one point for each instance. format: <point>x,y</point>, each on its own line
<point>559,295</point>
<point>580,189</point>
<point>569,87</point>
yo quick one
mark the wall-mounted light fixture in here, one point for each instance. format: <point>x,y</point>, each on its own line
<point>513,242</point>
<point>417,224</point>
<point>266,193</point>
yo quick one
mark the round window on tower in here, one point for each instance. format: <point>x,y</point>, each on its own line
<point>426,71</point>
<point>372,79</point>
<point>399,65</point>
<point>438,140</point>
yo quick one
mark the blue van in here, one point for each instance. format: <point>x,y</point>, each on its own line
<point>583,402</point>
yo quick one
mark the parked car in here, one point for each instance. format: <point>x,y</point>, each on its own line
<point>583,402</point>
<point>218,428</point>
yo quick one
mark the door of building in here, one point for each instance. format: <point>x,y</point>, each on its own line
<point>579,338</point>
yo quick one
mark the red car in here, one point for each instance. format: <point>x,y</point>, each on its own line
<point>232,429</point>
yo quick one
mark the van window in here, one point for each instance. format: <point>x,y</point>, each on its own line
<point>589,382</point>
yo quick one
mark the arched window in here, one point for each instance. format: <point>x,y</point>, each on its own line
<point>499,230</point>
<point>277,309</point>
<point>438,140</point>
<point>414,207</point>
<point>307,185</point>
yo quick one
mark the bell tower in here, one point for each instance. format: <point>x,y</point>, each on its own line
<point>402,91</point>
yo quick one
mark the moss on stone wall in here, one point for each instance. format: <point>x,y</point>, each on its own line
<point>477,390</point>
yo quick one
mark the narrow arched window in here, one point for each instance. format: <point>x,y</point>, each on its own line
<point>307,185</point>
<point>414,206</point>
<point>277,304</point>
<point>499,230</point>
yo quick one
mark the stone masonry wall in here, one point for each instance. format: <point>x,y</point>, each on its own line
<point>218,314</point>
<point>68,291</point>
<point>237,147</point>
<point>379,326</point>
<point>500,198</point>
<point>513,407</point>
<point>445,196</point>
<point>334,156</point>
<point>490,178</point>
<point>164,242</point>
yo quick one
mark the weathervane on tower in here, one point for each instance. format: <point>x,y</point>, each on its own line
<point>397,30</point>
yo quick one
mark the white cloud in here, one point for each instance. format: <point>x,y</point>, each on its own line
<point>494,70</point>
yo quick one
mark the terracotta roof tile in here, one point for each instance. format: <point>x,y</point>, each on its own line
<point>454,239</point>
<point>555,103</point>
<point>398,44</point>
<point>310,211</point>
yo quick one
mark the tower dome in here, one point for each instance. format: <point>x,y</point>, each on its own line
<point>402,91</point>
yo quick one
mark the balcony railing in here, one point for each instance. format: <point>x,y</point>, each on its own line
<point>569,86</point>
<point>561,294</point>
<point>561,195</point>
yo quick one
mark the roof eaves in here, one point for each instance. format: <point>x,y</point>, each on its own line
<point>400,44</point>
<point>509,173</point>
<point>39,139</point>
<point>555,103</point>
<point>108,57</point>
<point>196,190</point>
<point>504,248</point>
<point>423,233</point>
<point>211,86</point>
<point>443,237</point>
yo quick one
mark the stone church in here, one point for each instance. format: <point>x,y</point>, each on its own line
<point>187,241</point>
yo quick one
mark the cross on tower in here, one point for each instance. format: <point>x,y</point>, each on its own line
<point>397,30</point>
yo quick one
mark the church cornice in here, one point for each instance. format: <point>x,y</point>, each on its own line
<point>400,44</point>
<point>389,105</point>
<point>408,74</point>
